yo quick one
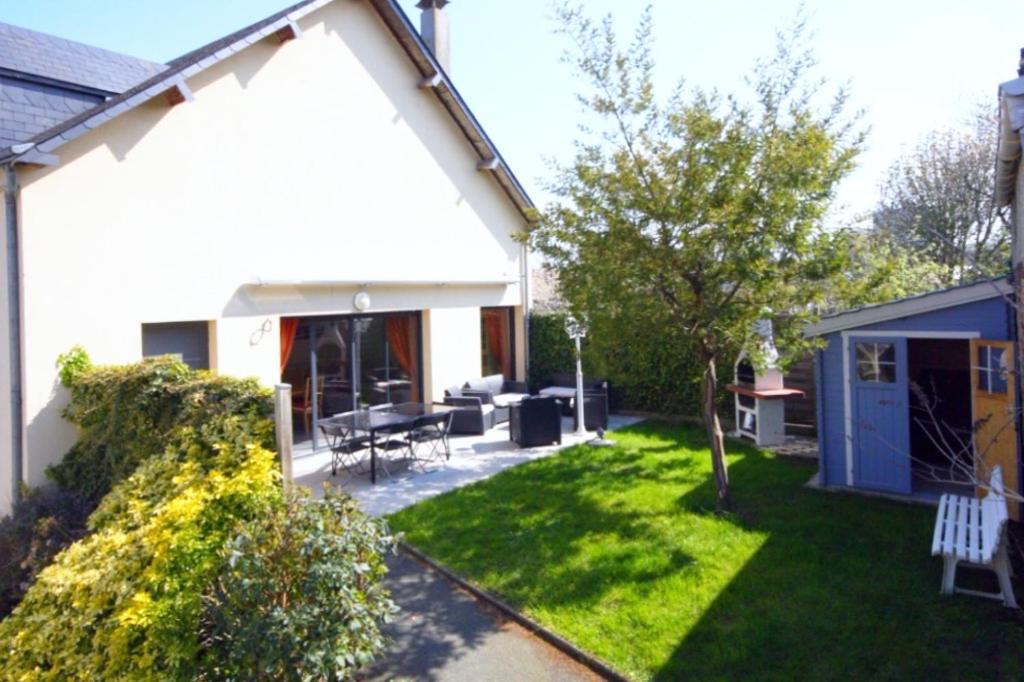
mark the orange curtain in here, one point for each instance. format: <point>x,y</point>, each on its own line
<point>402,340</point>
<point>495,323</point>
<point>289,327</point>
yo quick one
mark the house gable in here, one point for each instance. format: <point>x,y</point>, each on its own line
<point>316,160</point>
<point>282,27</point>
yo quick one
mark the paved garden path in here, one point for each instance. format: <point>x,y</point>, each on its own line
<point>443,633</point>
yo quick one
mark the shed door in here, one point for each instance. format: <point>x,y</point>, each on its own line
<point>995,420</point>
<point>880,413</point>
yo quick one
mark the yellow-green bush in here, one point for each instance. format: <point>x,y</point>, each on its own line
<point>195,559</point>
<point>126,601</point>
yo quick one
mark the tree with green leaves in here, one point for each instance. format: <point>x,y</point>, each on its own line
<point>938,200</point>
<point>882,269</point>
<point>695,214</point>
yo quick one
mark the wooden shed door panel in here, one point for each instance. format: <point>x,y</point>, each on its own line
<point>993,388</point>
<point>880,411</point>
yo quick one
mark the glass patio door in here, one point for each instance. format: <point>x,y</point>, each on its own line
<point>334,368</point>
<point>342,363</point>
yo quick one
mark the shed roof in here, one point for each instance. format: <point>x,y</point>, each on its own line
<point>913,305</point>
<point>191,63</point>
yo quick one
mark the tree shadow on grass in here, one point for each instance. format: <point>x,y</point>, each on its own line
<point>541,520</point>
<point>843,587</point>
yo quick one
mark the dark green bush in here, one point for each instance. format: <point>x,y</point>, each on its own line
<point>300,596</point>
<point>126,413</point>
<point>42,523</point>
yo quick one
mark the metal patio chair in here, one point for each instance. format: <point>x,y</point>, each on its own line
<point>428,439</point>
<point>346,445</point>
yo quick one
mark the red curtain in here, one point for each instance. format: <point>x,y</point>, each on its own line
<point>401,339</point>
<point>496,326</point>
<point>289,327</point>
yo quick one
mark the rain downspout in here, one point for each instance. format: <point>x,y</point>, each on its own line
<point>14,324</point>
<point>524,288</point>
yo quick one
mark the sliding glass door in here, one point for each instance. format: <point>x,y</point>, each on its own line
<point>353,362</point>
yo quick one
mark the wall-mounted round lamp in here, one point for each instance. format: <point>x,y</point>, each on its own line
<point>361,301</point>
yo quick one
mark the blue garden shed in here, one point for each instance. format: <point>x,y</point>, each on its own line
<point>913,395</point>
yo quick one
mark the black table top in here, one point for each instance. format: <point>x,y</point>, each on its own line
<point>396,416</point>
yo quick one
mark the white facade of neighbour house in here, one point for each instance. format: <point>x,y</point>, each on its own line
<point>1009,190</point>
<point>296,174</point>
<point>1009,178</point>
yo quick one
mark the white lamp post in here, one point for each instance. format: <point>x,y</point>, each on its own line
<point>577,329</point>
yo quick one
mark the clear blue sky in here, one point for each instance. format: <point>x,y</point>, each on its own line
<point>912,65</point>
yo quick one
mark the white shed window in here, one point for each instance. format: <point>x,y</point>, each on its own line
<point>876,362</point>
<point>992,369</point>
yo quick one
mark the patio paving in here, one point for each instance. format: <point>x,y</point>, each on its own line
<point>473,458</point>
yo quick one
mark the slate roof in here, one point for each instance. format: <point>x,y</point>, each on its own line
<point>39,54</point>
<point>174,74</point>
<point>46,80</point>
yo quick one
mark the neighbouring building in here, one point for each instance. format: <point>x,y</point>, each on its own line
<point>308,199</point>
<point>545,293</point>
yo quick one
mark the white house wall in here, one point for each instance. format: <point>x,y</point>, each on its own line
<point>316,160</point>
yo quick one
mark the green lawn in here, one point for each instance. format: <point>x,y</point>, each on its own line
<point>619,551</point>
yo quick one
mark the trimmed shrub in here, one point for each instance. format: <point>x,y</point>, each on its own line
<point>127,413</point>
<point>310,572</point>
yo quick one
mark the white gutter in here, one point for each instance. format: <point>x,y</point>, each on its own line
<point>1008,150</point>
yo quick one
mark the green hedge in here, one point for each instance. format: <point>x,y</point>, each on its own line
<point>185,457</point>
<point>646,371</point>
<point>551,351</point>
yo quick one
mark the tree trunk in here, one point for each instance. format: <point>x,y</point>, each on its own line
<point>709,385</point>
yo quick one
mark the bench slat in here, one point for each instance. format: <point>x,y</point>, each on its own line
<point>974,528</point>
<point>949,531</point>
<point>940,524</point>
<point>961,527</point>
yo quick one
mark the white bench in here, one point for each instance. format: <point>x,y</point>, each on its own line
<point>973,532</point>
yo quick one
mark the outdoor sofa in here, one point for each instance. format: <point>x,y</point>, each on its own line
<point>483,402</point>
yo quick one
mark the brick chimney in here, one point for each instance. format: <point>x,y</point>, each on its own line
<point>434,29</point>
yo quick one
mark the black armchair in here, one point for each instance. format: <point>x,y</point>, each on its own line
<point>535,421</point>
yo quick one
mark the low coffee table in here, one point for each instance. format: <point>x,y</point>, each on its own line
<point>561,392</point>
